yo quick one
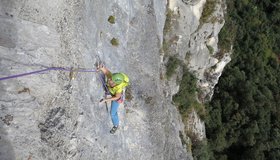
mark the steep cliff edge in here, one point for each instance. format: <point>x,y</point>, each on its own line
<point>55,115</point>
<point>191,36</point>
<point>51,115</point>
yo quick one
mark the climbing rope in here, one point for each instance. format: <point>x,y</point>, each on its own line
<point>48,69</point>
<point>105,87</point>
<point>102,80</point>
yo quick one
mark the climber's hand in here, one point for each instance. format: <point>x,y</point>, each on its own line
<point>100,67</point>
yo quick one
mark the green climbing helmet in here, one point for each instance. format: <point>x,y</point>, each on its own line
<point>118,78</point>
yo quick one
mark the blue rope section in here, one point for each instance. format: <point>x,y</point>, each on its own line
<point>45,70</point>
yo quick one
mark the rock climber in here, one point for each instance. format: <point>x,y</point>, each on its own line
<point>116,83</point>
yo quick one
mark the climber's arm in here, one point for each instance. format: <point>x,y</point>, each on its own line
<point>115,97</point>
<point>105,71</point>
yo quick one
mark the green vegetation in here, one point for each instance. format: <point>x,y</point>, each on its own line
<point>187,92</point>
<point>167,28</point>
<point>227,36</point>
<point>115,42</point>
<point>168,21</point>
<point>185,99</point>
<point>208,10</point>
<point>244,114</point>
<point>184,143</point>
<point>211,49</point>
<point>172,65</point>
<point>200,150</point>
<point>165,46</point>
<point>112,19</point>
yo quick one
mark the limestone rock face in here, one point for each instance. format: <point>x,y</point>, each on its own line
<point>193,38</point>
<point>55,115</point>
<point>196,41</point>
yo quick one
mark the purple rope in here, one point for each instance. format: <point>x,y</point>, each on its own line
<point>44,70</point>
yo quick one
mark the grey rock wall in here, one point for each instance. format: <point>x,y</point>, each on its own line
<point>195,42</point>
<point>50,115</point>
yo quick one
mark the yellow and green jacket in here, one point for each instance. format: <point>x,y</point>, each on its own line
<point>119,88</point>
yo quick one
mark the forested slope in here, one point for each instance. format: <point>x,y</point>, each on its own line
<point>244,114</point>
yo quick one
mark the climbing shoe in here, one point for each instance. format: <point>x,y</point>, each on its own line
<point>114,129</point>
